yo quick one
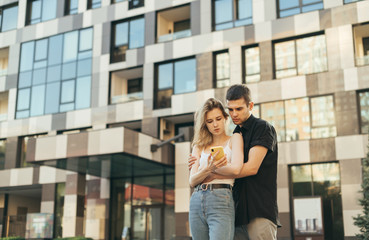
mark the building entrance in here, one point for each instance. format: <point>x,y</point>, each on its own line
<point>147,222</point>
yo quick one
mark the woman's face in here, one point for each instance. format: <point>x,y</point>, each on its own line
<point>215,121</point>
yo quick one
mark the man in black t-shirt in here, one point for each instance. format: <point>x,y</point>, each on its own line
<point>255,189</point>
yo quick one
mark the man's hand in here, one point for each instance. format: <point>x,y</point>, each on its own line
<point>191,161</point>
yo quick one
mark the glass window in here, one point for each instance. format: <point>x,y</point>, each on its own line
<point>322,179</point>
<point>71,7</point>
<point>9,18</point>
<point>252,64</point>
<point>59,209</point>
<point>297,119</point>
<point>92,4</point>
<point>135,4</point>
<point>302,56</point>
<point>185,76</point>
<point>128,34</point>
<point>175,77</point>
<point>222,70</point>
<point>274,114</point>
<point>350,1</point>
<point>41,70</point>
<point>2,154</point>
<point>293,7</point>
<point>364,111</point>
<point>232,13</point>
<point>323,119</point>
<point>41,10</point>
<point>52,98</point>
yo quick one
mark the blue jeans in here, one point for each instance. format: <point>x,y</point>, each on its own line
<point>212,214</point>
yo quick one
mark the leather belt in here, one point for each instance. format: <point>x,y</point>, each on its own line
<point>205,186</point>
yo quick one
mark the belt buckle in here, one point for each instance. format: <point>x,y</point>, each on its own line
<point>204,188</point>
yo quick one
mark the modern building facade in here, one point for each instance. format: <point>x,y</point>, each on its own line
<point>89,89</point>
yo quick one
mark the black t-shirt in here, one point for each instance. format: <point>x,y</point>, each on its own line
<point>256,196</point>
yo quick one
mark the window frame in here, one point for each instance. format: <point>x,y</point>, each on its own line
<point>244,71</point>
<point>215,79</point>
<point>295,39</point>
<point>2,9</point>
<point>172,88</point>
<point>90,5</point>
<point>67,9</point>
<point>114,48</point>
<point>300,6</point>
<point>29,12</point>
<point>235,10</point>
<point>359,109</point>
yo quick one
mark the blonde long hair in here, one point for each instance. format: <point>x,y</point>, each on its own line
<point>203,137</point>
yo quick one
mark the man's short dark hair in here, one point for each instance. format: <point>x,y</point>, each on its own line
<point>239,91</point>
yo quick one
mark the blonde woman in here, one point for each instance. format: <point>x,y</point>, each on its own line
<point>212,213</point>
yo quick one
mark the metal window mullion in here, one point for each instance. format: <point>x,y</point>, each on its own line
<point>129,28</point>
<point>296,57</point>
<point>173,74</point>
<point>1,19</point>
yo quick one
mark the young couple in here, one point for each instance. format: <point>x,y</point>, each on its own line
<point>249,168</point>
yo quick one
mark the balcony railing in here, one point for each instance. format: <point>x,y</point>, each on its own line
<point>174,36</point>
<point>127,97</point>
<point>15,226</point>
<point>361,61</point>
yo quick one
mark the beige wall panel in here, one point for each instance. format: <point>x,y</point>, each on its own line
<point>362,11</point>
<point>332,3</point>
<point>40,124</point>
<point>154,53</point>
<point>182,200</point>
<point>269,91</point>
<point>4,178</point>
<point>263,31</point>
<point>283,199</point>
<point>182,176</point>
<point>349,147</point>
<point>294,152</point>
<point>179,51</point>
<point>111,140</point>
<point>351,79</point>
<point>205,16</point>
<point>350,196</point>
<point>21,176</point>
<point>129,111</point>
<point>307,22</point>
<point>293,87</point>
<point>348,222</point>
<point>190,102</point>
<point>46,147</point>
<point>346,46</point>
<point>47,207</point>
<point>79,118</point>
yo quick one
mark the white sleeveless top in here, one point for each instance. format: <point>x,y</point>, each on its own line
<point>204,160</point>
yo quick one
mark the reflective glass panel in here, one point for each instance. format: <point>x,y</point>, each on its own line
<point>121,34</point>
<point>256,110</point>
<point>285,4</point>
<point>313,7</point>
<point>244,9</point>
<point>323,119</point>
<point>274,114</point>
<point>54,73</point>
<point>2,157</point>
<point>23,99</point>
<point>223,11</point>
<point>185,76</point>
<point>84,67</point>
<point>83,92</point>
<point>285,59</point>
<point>55,49</point>
<point>66,107</point>
<point>67,94</point>
<point>85,39</point>
<point>39,76</point>
<point>41,49</point>
<point>364,111</point>
<point>10,19</point>
<point>252,65</point>
<point>69,70</point>
<point>36,11</point>
<point>222,69</point>
<point>297,119</point>
<point>25,79</point>
<point>312,55</point>
<point>164,98</point>
<point>165,76</point>
<point>70,46</point>
<point>38,100</point>
<point>289,12</point>
<point>301,180</point>
<point>48,9</point>
<point>27,56</point>
<point>52,98</point>
<point>73,6</point>
<point>137,33</point>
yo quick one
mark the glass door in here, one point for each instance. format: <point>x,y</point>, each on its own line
<point>147,223</point>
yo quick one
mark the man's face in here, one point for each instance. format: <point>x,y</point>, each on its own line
<point>239,111</point>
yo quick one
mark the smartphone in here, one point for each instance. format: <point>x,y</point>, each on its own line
<point>214,150</point>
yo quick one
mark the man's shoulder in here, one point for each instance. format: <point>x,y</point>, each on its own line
<point>262,123</point>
